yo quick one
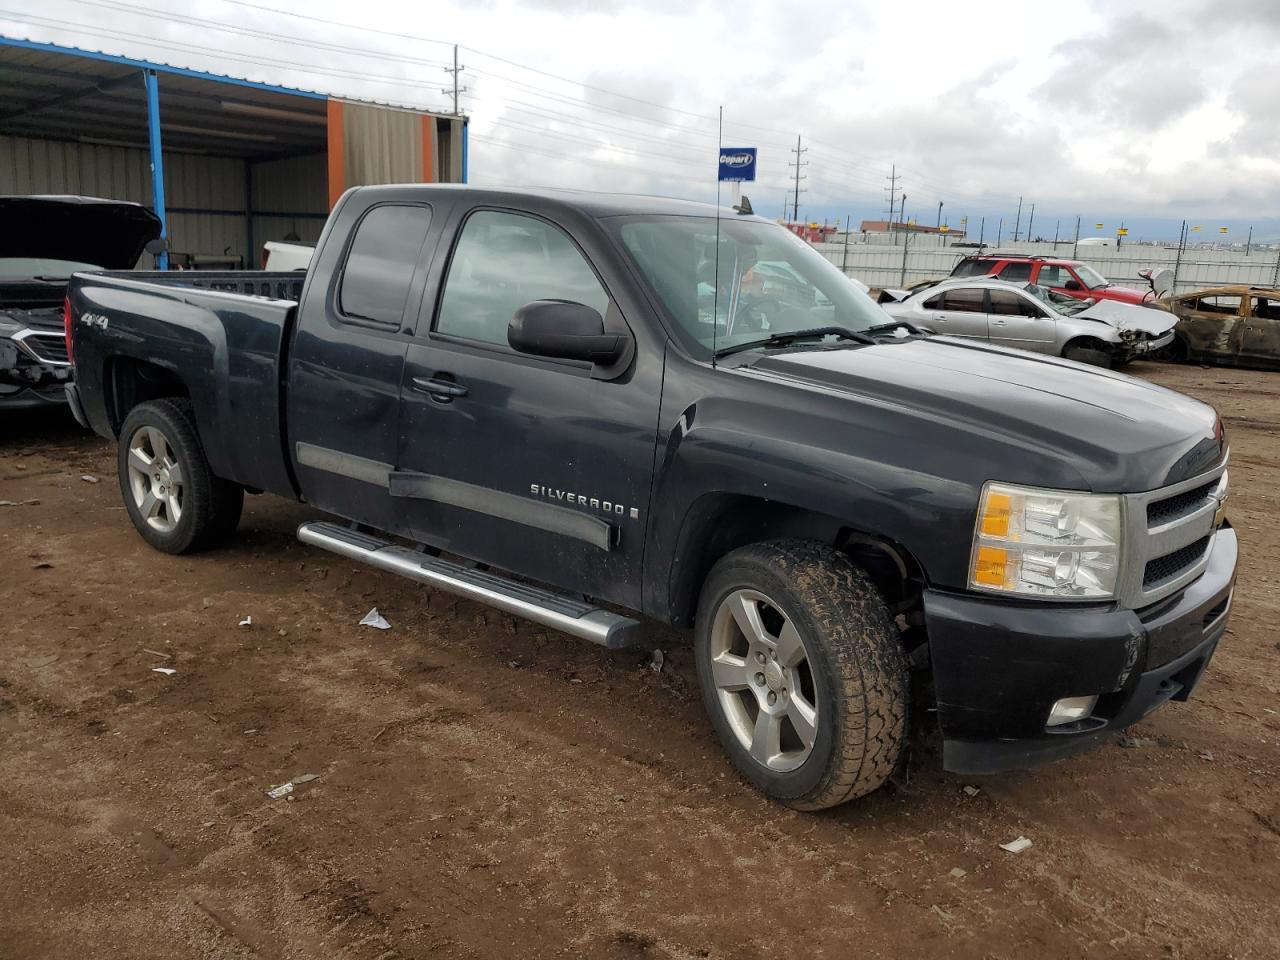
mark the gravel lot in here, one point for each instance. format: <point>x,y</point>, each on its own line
<point>487,789</point>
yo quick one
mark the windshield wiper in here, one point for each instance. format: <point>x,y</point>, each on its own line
<point>894,325</point>
<point>790,336</point>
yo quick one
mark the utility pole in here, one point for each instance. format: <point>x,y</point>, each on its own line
<point>1031,220</point>
<point>1016,224</point>
<point>799,164</point>
<point>938,225</point>
<point>893,193</point>
<point>982,232</point>
<point>1075,247</point>
<point>902,215</point>
<point>1000,233</point>
<point>844,265</point>
<point>457,90</point>
<point>1248,244</point>
<point>1177,263</point>
<point>1056,224</point>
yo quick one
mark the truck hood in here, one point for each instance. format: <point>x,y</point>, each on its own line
<point>1126,316</point>
<point>1079,427</point>
<point>109,233</point>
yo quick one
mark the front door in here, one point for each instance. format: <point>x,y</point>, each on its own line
<point>1262,333</point>
<point>537,466</point>
<point>958,312</point>
<point>1015,320</point>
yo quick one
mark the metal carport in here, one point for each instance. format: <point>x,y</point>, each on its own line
<point>227,163</point>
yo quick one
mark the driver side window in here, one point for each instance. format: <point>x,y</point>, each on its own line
<point>503,261</point>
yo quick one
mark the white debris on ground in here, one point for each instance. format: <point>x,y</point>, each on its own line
<point>167,671</point>
<point>247,622</point>
<point>275,793</point>
<point>1016,846</point>
<point>376,620</point>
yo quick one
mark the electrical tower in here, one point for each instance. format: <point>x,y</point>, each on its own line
<point>456,91</point>
<point>797,166</point>
<point>893,179</point>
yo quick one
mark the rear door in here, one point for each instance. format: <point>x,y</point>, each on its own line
<point>537,466</point>
<point>1016,320</point>
<point>347,360</point>
<point>957,312</point>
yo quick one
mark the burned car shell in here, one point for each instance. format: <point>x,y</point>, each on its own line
<point>1235,325</point>
<point>1127,331</point>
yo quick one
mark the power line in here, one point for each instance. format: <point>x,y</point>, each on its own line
<point>455,70</point>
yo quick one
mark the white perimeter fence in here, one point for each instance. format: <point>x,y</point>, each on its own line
<point>878,264</point>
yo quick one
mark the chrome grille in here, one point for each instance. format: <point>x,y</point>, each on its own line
<point>1172,565</point>
<point>1167,535</point>
<point>1160,512</point>
<point>46,346</point>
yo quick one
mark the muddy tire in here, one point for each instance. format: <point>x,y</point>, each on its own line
<point>1088,351</point>
<point>802,673</point>
<point>173,499</point>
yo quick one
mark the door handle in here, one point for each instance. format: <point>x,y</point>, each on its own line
<point>439,388</point>
<point>999,323</point>
<point>940,318</point>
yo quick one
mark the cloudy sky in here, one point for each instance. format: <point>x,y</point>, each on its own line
<point>1146,112</point>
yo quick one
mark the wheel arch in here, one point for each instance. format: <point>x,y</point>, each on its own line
<point>130,382</point>
<point>719,523</point>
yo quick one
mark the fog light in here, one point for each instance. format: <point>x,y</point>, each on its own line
<point>1071,709</point>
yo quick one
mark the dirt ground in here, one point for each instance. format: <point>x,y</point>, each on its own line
<point>487,789</point>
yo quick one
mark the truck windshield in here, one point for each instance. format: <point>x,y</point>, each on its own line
<point>1091,278</point>
<point>759,281</point>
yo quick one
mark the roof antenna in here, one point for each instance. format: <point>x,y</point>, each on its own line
<point>744,207</point>
<point>715,300</point>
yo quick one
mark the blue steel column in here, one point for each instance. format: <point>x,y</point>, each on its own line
<point>464,151</point>
<point>157,159</point>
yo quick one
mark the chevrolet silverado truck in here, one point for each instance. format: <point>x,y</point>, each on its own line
<point>43,240</point>
<point>587,410</point>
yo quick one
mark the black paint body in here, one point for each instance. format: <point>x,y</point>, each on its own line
<point>890,442</point>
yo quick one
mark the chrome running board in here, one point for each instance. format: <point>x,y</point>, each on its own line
<point>532,603</point>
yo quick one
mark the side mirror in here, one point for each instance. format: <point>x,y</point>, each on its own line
<point>157,246</point>
<point>564,330</point>
<point>1073,285</point>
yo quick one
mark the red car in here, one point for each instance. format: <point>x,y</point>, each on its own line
<point>1071,277</point>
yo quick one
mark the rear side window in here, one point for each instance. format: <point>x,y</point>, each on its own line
<point>385,251</point>
<point>973,268</point>
<point>1009,304</point>
<point>1052,275</point>
<point>1016,272</point>
<point>503,261</point>
<point>1224,304</point>
<point>964,301</point>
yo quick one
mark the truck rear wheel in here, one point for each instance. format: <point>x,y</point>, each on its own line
<point>173,499</point>
<point>802,673</point>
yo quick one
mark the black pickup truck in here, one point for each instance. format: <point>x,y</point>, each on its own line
<point>584,409</point>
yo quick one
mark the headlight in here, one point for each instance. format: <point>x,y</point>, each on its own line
<point>1046,543</point>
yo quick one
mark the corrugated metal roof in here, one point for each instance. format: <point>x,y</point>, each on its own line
<point>68,93</point>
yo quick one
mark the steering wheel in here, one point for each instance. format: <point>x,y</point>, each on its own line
<point>754,314</point>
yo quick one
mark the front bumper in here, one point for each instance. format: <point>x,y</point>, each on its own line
<point>999,667</point>
<point>1131,350</point>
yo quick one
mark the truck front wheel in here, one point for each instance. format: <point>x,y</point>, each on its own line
<point>802,672</point>
<point>173,499</point>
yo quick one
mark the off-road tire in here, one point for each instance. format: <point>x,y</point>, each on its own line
<point>210,505</point>
<point>857,662</point>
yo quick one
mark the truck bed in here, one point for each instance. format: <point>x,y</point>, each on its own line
<point>221,335</point>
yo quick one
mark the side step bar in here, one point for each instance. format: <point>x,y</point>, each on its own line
<point>532,603</point>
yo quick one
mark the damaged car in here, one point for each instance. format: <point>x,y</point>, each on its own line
<point>1030,317</point>
<point>43,241</point>
<point>1236,326</point>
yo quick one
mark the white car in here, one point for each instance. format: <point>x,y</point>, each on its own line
<point>282,256</point>
<point>1031,317</point>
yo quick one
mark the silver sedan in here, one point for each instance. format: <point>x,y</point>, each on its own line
<point>1032,318</point>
